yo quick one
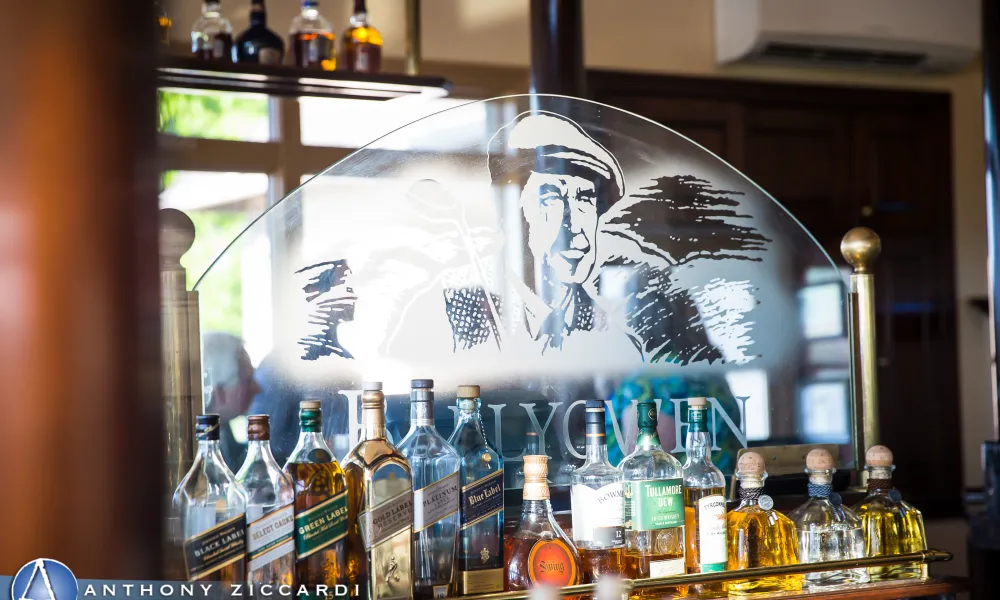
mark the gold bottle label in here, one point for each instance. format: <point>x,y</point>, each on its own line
<point>480,582</point>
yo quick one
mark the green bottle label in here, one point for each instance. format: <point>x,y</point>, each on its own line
<point>651,505</point>
<point>321,525</point>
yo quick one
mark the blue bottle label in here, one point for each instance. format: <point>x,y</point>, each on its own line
<point>482,498</point>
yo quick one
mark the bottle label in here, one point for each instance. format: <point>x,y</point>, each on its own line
<point>435,502</point>
<point>482,499</point>
<point>219,48</point>
<point>712,533</point>
<point>387,519</point>
<point>655,504</point>
<point>598,514</point>
<point>551,563</point>
<point>321,525</point>
<point>269,56</point>
<point>271,537</point>
<point>665,568</point>
<point>480,582</point>
<point>215,548</point>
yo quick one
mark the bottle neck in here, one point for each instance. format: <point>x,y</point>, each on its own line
<point>648,439</point>
<point>597,449</point>
<point>535,509</point>
<point>421,408</point>
<point>879,479</point>
<point>372,423</point>
<point>259,450</point>
<point>749,493</point>
<point>469,416</point>
<point>258,13</point>
<point>210,451</point>
<point>212,6</point>
<point>820,484</point>
<point>699,447</point>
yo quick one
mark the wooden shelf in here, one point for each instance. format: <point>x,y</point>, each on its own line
<point>894,590</point>
<point>191,73</point>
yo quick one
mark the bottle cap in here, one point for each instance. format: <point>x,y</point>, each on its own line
<point>595,416</point>
<point>697,402</point>
<point>309,405</point>
<point>536,468</point>
<point>371,386</point>
<point>206,427</point>
<point>468,391</point>
<point>646,414</point>
<point>258,428</point>
<point>750,464</point>
<point>878,456</point>
<point>819,459</point>
<point>420,384</point>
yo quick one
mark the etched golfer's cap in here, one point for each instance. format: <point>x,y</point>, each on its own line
<point>878,456</point>
<point>819,459</point>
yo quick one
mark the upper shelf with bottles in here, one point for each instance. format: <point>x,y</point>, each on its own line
<point>310,64</point>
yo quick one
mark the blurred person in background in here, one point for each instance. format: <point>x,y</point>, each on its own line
<point>231,376</point>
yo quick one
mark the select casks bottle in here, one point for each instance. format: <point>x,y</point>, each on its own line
<point>704,500</point>
<point>480,538</point>
<point>321,515</point>
<point>380,508</point>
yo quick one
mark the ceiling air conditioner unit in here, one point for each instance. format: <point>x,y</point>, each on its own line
<point>900,35</point>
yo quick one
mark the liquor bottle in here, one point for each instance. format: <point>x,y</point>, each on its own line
<point>380,505</point>
<point>311,39</point>
<point>362,50</point>
<point>538,552</point>
<point>270,510</point>
<point>597,494</point>
<point>704,499</point>
<point>212,34</point>
<point>163,24</point>
<point>654,504</point>
<point>758,535</point>
<point>258,44</point>
<point>209,509</point>
<point>436,487</point>
<point>890,525</point>
<point>321,516</point>
<point>480,539</point>
<point>827,529</point>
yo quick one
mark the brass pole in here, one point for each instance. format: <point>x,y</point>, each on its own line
<point>413,51</point>
<point>860,247</point>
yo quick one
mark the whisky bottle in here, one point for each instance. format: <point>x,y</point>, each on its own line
<point>362,50</point>
<point>212,34</point>
<point>758,535</point>
<point>596,493</point>
<point>209,510</point>
<point>704,500</point>
<point>827,529</point>
<point>311,39</point>
<point>890,525</point>
<point>654,504</point>
<point>434,465</point>
<point>321,516</point>
<point>538,552</point>
<point>480,538</point>
<point>270,510</point>
<point>258,44</point>
<point>380,507</point>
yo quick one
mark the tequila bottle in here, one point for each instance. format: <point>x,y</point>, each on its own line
<point>436,487</point>
<point>704,501</point>
<point>480,539</point>
<point>209,510</point>
<point>890,526</point>
<point>598,511</point>
<point>538,553</point>
<point>758,535</point>
<point>212,34</point>
<point>362,52</point>
<point>270,510</point>
<point>320,504</point>
<point>380,507</point>
<point>827,529</point>
<point>654,504</point>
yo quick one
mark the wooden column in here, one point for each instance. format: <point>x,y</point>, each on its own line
<point>557,47</point>
<point>81,451</point>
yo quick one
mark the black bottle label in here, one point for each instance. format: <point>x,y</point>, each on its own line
<point>215,548</point>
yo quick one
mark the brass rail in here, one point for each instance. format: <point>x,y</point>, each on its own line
<point>627,585</point>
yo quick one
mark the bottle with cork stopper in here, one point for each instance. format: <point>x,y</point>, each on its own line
<point>539,552</point>
<point>889,525</point>
<point>757,534</point>
<point>704,501</point>
<point>827,530</point>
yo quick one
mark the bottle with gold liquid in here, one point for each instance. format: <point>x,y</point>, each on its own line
<point>362,51</point>
<point>539,553</point>
<point>598,511</point>
<point>320,504</point>
<point>758,535</point>
<point>704,501</point>
<point>380,508</point>
<point>311,39</point>
<point>890,525</point>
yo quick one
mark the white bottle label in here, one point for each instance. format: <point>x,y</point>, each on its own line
<point>664,568</point>
<point>271,537</point>
<point>712,533</point>
<point>598,515</point>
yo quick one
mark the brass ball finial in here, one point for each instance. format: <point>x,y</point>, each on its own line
<point>176,236</point>
<point>860,247</point>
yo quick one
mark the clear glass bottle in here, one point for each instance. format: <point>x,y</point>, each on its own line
<point>380,507</point>
<point>480,538</point>
<point>321,516</point>
<point>209,512</point>
<point>362,51</point>
<point>890,525</point>
<point>758,535</point>
<point>258,44</point>
<point>311,39</point>
<point>827,529</point>
<point>270,510</point>
<point>704,501</point>
<point>436,492</point>
<point>597,502</point>
<point>654,504</point>
<point>539,553</point>
<point>212,34</point>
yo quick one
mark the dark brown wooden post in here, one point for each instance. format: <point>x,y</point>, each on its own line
<point>557,47</point>
<point>81,452</point>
